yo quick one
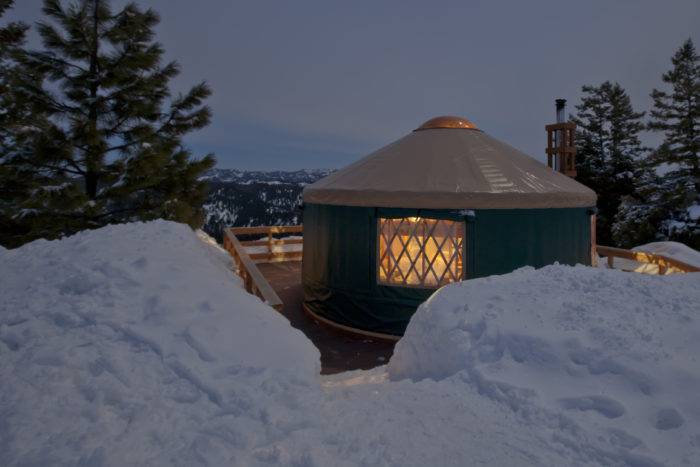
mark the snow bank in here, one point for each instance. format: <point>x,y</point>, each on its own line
<point>673,250</point>
<point>134,344</point>
<point>601,361</point>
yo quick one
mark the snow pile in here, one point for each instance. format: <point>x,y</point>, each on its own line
<point>673,250</point>
<point>603,363</point>
<point>134,344</point>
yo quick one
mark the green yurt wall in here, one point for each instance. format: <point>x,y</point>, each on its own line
<point>339,269</point>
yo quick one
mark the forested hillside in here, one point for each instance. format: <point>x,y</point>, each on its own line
<point>241,198</point>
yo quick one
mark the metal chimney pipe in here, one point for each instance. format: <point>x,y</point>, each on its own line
<point>561,110</point>
<point>558,140</point>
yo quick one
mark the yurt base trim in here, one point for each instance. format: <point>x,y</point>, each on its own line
<point>349,329</point>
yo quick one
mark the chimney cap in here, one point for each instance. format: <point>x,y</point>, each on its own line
<point>560,103</point>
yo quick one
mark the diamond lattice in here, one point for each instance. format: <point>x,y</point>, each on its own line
<point>414,251</point>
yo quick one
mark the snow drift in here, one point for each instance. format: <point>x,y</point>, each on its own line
<point>135,345</point>
<point>605,353</point>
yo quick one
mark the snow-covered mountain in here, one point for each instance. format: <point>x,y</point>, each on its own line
<point>247,198</point>
<point>300,177</point>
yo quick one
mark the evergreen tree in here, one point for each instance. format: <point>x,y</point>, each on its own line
<point>608,148</point>
<point>112,151</point>
<point>677,115</point>
<point>11,40</point>
<point>641,212</point>
<point>11,36</point>
<point>19,125</point>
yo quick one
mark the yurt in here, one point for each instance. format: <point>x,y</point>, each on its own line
<point>445,203</point>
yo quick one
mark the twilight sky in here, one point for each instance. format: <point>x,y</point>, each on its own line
<point>318,84</point>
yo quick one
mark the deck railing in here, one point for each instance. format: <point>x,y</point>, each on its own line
<point>665,264</point>
<point>253,280</point>
<point>274,250</point>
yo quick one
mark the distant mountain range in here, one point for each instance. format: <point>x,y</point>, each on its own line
<point>249,198</point>
<point>276,177</point>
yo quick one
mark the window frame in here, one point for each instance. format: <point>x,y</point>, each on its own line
<point>461,224</point>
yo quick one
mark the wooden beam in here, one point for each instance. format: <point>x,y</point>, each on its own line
<point>560,126</point>
<point>268,229</point>
<point>275,242</point>
<point>276,257</point>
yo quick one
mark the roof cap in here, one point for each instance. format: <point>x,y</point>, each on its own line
<point>447,121</point>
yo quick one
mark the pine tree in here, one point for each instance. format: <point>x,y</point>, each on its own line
<point>608,147</point>
<point>641,212</point>
<point>677,115</point>
<point>19,126</point>
<point>12,35</point>
<point>11,114</point>
<point>113,151</point>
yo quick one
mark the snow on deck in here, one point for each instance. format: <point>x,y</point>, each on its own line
<point>673,250</point>
<point>135,345</point>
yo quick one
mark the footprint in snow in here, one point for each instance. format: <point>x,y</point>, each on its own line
<point>668,419</point>
<point>605,406</point>
<point>140,263</point>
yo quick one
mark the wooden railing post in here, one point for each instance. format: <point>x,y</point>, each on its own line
<point>269,243</point>
<point>253,280</point>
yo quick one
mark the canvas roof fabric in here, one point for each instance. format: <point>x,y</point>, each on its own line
<point>443,165</point>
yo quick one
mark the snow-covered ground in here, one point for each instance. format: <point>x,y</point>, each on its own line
<point>603,362</point>
<point>135,345</point>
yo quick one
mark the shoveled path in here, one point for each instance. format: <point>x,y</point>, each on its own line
<point>339,351</point>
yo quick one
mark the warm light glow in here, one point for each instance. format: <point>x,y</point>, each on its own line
<point>415,251</point>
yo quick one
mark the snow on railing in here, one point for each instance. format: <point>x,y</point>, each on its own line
<point>665,264</point>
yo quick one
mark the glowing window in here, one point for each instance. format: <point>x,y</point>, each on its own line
<point>414,251</point>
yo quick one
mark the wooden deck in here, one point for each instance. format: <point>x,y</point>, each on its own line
<point>339,351</point>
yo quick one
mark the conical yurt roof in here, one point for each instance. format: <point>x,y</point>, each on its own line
<point>447,163</point>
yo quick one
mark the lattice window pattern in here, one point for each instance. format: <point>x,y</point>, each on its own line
<point>419,252</point>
